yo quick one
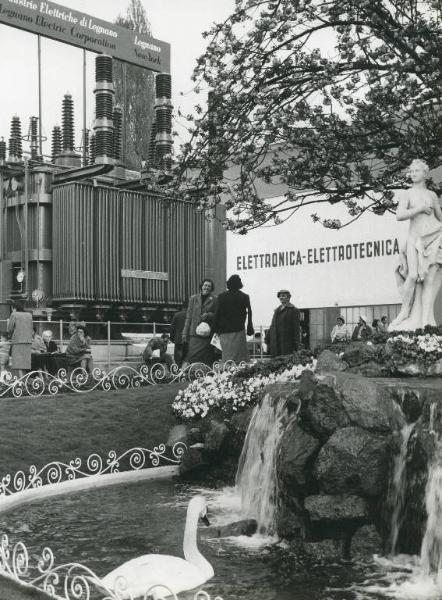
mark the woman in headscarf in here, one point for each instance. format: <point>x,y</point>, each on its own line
<point>230,318</point>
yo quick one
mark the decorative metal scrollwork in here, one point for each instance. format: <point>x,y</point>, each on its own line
<point>71,581</point>
<point>57,472</point>
<point>37,383</point>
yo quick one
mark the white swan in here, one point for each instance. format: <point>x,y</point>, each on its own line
<point>137,575</point>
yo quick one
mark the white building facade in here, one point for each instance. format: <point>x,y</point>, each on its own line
<point>348,271</point>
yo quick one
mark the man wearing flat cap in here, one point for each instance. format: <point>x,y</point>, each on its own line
<point>285,332</point>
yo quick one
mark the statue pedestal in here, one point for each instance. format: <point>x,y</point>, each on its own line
<point>415,320</point>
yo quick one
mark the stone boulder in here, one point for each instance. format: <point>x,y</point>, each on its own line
<point>215,436</point>
<point>325,551</point>
<point>307,385</point>
<point>195,435</point>
<point>194,462</point>
<point>335,516</point>
<point>367,404</point>
<point>358,353</point>
<point>368,369</point>
<point>284,392</point>
<point>329,362</point>
<point>353,461</point>
<point>239,422</point>
<point>324,411</point>
<point>325,507</point>
<point>291,523</point>
<point>245,527</point>
<point>297,453</point>
<point>238,425</point>
<point>409,400</point>
<point>366,542</point>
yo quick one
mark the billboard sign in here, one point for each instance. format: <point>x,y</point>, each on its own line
<point>352,266</point>
<point>80,29</point>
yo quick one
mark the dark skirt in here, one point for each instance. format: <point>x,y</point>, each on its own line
<point>201,350</point>
<point>234,346</point>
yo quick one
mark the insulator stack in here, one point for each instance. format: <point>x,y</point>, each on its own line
<point>151,153</point>
<point>103,68</point>
<point>33,137</point>
<point>163,85</point>
<point>15,145</point>
<point>103,105</point>
<point>118,123</point>
<point>104,98</point>
<point>163,118</point>
<point>2,150</point>
<point>104,144</point>
<point>68,122</point>
<point>92,150</point>
<point>56,142</point>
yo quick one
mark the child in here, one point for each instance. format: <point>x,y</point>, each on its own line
<point>5,347</point>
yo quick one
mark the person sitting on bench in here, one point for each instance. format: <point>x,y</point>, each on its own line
<point>78,351</point>
<point>156,351</point>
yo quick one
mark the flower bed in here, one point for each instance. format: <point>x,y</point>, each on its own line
<point>422,350</point>
<point>231,391</point>
<point>396,353</point>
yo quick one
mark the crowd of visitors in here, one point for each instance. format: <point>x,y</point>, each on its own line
<point>210,327</point>
<point>23,349</point>
<point>213,327</point>
<point>362,332</point>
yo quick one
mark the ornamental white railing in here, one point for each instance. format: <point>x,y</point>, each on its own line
<point>56,472</point>
<point>70,581</point>
<point>37,383</point>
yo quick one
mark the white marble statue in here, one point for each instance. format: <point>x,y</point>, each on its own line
<point>419,273</point>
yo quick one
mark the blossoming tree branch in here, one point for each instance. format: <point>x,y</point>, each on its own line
<point>330,98</point>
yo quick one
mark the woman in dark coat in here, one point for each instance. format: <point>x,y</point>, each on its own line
<point>230,319</point>
<point>285,333</point>
<point>201,308</point>
<point>20,329</point>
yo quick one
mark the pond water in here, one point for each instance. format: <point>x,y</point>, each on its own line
<point>104,528</point>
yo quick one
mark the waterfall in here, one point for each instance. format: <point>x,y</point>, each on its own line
<point>256,478</point>
<point>431,550</point>
<point>398,488</point>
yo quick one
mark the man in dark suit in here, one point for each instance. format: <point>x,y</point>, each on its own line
<point>176,335</point>
<point>285,332</point>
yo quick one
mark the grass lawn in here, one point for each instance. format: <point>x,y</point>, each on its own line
<point>36,431</point>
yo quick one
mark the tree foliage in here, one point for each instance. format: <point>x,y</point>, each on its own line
<point>332,98</point>
<point>140,91</point>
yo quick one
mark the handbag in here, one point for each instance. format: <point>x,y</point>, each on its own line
<point>203,329</point>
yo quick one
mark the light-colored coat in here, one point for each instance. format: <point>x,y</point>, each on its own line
<point>20,327</point>
<point>196,309</point>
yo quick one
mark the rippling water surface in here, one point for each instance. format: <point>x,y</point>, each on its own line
<point>104,528</point>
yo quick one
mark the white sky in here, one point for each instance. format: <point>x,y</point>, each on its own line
<point>178,22</point>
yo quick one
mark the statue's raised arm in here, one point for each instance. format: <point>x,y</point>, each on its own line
<point>420,271</point>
